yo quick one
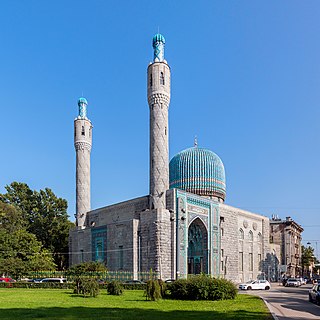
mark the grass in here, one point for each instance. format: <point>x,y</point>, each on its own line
<point>62,304</point>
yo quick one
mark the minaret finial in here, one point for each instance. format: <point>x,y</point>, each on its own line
<point>158,42</point>
<point>196,141</point>
<point>82,103</point>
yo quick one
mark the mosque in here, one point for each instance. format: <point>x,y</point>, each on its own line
<point>183,225</point>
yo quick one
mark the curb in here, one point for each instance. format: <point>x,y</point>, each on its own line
<point>275,317</point>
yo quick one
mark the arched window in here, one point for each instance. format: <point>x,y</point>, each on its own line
<point>259,237</point>
<point>82,131</point>
<point>241,234</point>
<point>162,78</point>
<point>250,235</point>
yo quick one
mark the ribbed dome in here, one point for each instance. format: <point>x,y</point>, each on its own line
<point>158,38</point>
<point>199,171</point>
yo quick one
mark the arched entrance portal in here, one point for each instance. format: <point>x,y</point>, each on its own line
<point>197,248</point>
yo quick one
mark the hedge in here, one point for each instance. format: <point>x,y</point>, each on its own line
<point>202,287</point>
<point>67,285</point>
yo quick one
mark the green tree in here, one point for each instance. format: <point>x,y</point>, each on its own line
<point>22,252</point>
<point>308,258</point>
<point>45,215</point>
<point>10,218</point>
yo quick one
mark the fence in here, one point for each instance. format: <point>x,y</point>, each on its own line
<point>104,275</point>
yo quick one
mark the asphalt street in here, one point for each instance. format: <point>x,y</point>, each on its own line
<point>289,303</point>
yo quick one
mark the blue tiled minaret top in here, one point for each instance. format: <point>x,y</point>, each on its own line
<point>199,171</point>
<point>82,103</point>
<point>158,42</point>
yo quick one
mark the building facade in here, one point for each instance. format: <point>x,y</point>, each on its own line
<point>287,235</point>
<point>183,225</point>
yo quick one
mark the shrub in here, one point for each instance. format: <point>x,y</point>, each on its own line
<point>202,287</point>
<point>88,287</point>
<point>115,288</point>
<point>153,290</point>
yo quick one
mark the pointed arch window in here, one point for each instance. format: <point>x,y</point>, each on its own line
<point>250,235</point>
<point>241,234</point>
<point>259,237</point>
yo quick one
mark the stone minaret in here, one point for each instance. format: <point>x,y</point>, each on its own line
<point>158,100</point>
<point>82,144</point>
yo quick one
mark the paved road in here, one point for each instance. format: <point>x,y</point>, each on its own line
<point>290,303</point>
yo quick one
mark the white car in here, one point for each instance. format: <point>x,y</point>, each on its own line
<point>293,282</point>
<point>255,285</point>
<point>57,280</point>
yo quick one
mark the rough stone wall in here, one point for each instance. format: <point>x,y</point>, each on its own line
<point>79,246</point>
<point>158,100</point>
<point>229,243</point>
<point>156,242</point>
<point>254,245</point>
<point>82,143</point>
<point>121,223</point>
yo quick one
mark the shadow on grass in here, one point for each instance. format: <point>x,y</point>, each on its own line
<point>124,313</point>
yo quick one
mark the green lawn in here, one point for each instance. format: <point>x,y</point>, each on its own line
<point>62,304</point>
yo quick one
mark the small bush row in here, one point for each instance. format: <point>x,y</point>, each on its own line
<point>32,285</point>
<point>202,287</point>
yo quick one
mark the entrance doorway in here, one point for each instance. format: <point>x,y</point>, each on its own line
<point>197,248</point>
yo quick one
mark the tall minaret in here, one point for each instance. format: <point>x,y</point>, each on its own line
<point>158,100</point>
<point>82,144</point>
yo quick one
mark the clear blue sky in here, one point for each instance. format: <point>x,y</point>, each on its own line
<point>245,80</point>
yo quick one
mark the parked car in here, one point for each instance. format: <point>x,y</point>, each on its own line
<point>57,280</point>
<point>255,285</point>
<point>292,282</point>
<point>314,294</point>
<point>134,282</point>
<point>6,279</point>
<point>170,280</point>
<point>37,280</point>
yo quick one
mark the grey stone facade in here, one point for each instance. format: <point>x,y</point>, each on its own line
<point>171,231</point>
<point>244,243</point>
<point>136,239</point>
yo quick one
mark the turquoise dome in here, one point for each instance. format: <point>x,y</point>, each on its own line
<point>82,100</point>
<point>199,171</point>
<point>158,38</point>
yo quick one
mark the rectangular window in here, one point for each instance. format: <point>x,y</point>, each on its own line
<point>241,261</point>
<point>99,250</point>
<point>162,78</point>
<point>250,262</point>
<point>82,256</point>
<point>222,232</point>
<point>82,131</point>
<point>222,261</point>
<point>120,257</point>
<point>259,258</point>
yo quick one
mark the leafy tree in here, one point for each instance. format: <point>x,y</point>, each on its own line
<point>307,256</point>
<point>10,218</point>
<point>21,252</point>
<point>45,215</point>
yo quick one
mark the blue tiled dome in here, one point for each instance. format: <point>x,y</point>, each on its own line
<point>82,100</point>
<point>199,171</point>
<point>158,38</point>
